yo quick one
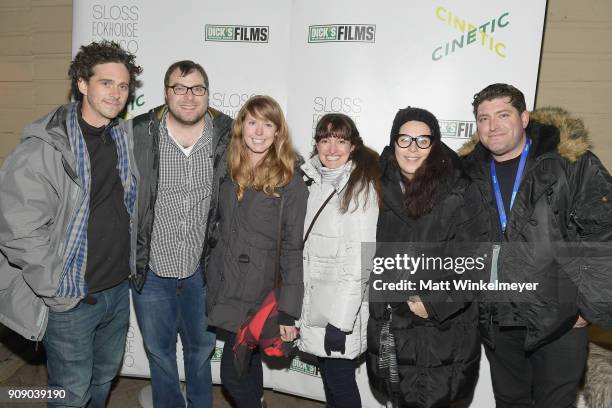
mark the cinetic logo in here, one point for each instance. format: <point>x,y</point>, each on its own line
<point>469,33</point>
<point>134,106</point>
<point>457,129</point>
<point>237,33</point>
<point>342,33</point>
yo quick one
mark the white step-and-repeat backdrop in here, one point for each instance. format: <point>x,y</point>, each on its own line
<point>362,58</point>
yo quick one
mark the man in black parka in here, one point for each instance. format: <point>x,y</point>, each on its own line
<point>549,200</point>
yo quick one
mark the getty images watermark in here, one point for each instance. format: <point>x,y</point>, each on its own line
<point>447,272</point>
<point>459,265</point>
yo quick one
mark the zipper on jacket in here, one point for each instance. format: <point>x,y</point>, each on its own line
<point>43,327</point>
<point>549,194</point>
<point>73,202</point>
<point>70,171</point>
<point>572,216</point>
<point>494,306</point>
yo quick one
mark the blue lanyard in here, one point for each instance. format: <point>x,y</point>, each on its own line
<point>503,219</point>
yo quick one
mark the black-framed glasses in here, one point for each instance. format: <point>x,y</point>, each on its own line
<point>422,141</point>
<point>197,90</point>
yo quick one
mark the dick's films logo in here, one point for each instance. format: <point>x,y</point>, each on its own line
<point>237,33</point>
<point>342,33</point>
<point>457,129</point>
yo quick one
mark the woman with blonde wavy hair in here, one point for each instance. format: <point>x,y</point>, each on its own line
<point>262,176</point>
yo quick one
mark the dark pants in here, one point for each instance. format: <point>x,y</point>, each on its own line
<point>339,382</point>
<point>544,378</point>
<point>245,390</point>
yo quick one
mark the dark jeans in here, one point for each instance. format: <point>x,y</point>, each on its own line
<point>85,347</point>
<point>246,391</point>
<point>545,378</point>
<point>164,307</point>
<point>339,382</point>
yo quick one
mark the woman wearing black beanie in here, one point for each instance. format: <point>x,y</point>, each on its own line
<point>423,348</point>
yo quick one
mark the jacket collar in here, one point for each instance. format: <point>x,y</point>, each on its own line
<point>545,139</point>
<point>53,129</point>
<point>311,169</point>
<point>391,172</point>
<point>157,114</point>
<point>393,196</point>
<point>553,130</point>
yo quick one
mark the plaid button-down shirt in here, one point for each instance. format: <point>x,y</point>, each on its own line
<point>181,208</point>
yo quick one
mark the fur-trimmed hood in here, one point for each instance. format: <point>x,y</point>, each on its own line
<point>573,136</point>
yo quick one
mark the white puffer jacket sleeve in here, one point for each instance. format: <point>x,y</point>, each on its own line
<point>357,227</point>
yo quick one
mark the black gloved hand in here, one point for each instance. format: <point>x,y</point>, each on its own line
<point>335,340</point>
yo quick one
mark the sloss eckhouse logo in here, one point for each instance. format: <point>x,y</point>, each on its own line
<point>118,23</point>
<point>342,33</point>
<point>237,33</point>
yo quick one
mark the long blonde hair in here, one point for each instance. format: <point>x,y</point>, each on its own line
<point>276,168</point>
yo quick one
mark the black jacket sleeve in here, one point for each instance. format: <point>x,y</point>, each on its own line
<point>291,264</point>
<point>590,214</point>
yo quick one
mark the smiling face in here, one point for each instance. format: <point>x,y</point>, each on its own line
<point>104,93</point>
<point>187,109</point>
<point>501,128</point>
<point>258,135</point>
<point>412,157</point>
<point>334,152</point>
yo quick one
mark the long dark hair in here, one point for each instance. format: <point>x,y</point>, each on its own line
<point>421,192</point>
<point>366,169</point>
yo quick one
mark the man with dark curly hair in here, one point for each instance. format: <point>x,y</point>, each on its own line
<point>67,228</point>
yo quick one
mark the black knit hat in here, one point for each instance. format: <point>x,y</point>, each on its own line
<point>418,114</point>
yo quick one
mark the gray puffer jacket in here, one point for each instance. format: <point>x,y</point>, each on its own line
<point>39,191</point>
<point>334,283</point>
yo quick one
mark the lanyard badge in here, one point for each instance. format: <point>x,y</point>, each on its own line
<point>503,219</point>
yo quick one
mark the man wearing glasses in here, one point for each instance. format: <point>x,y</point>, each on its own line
<point>180,150</point>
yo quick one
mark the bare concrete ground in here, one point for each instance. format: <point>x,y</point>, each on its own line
<point>23,366</point>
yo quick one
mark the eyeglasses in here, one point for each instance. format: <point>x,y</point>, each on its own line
<point>422,141</point>
<point>197,90</point>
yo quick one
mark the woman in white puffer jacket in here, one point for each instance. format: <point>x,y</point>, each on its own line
<point>343,178</point>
